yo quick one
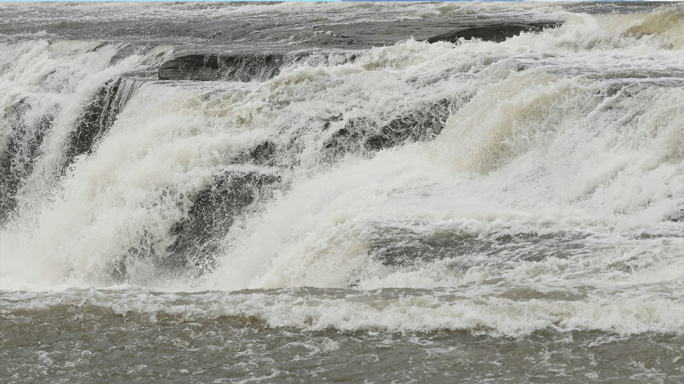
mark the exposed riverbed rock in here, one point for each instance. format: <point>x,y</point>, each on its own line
<point>496,32</point>
<point>245,67</point>
<point>222,67</point>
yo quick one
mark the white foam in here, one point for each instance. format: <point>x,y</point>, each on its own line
<point>621,313</point>
<point>558,174</point>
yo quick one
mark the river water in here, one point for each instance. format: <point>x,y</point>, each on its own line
<point>359,206</point>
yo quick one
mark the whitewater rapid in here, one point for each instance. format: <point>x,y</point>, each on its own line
<point>547,194</point>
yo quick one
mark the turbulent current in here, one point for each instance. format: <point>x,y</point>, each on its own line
<point>368,193</point>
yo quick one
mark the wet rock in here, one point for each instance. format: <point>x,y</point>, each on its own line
<point>364,135</point>
<point>419,125</point>
<point>18,157</point>
<point>263,153</point>
<point>244,67</point>
<point>214,211</point>
<point>495,32</point>
<point>98,116</point>
<point>222,67</point>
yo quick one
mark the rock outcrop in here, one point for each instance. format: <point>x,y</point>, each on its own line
<point>222,67</point>
<point>495,32</point>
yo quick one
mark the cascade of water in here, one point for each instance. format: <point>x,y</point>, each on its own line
<point>414,164</point>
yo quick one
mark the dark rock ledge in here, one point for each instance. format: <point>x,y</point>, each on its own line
<point>222,67</point>
<point>263,66</point>
<point>495,32</point>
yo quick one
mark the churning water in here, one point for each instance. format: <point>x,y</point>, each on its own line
<point>341,192</point>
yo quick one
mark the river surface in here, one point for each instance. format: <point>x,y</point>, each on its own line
<point>342,201</point>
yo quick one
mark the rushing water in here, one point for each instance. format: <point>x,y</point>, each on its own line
<point>343,201</point>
